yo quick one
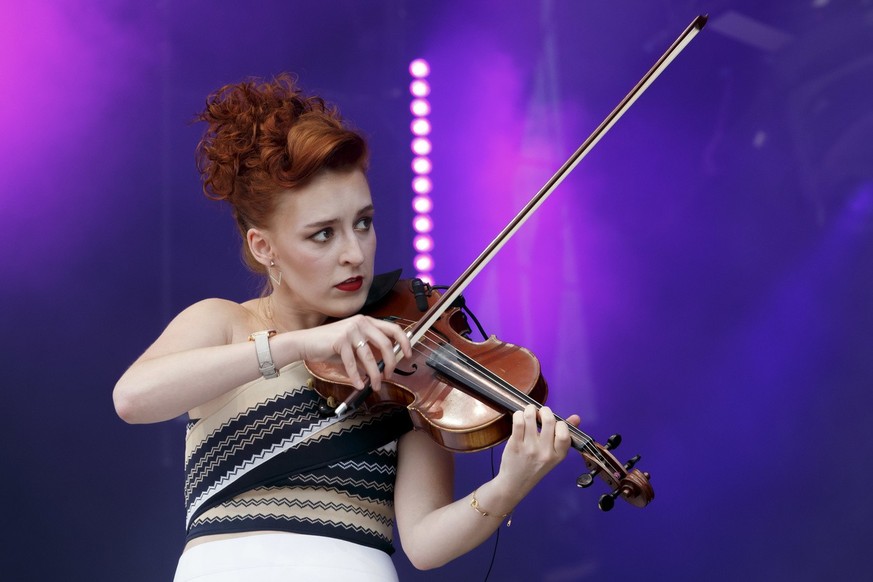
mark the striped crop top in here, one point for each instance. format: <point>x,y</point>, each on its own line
<point>263,458</point>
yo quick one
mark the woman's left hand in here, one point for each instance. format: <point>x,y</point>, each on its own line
<point>537,444</point>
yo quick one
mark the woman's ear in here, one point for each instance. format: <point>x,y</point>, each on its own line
<point>260,246</point>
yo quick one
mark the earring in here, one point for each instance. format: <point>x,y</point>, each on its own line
<point>276,280</point>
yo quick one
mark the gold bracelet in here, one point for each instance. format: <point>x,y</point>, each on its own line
<point>474,503</point>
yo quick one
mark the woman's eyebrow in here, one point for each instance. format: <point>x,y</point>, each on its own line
<point>330,221</point>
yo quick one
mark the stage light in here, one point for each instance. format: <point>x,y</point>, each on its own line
<point>422,185</point>
<point>420,127</point>
<point>421,165</point>
<point>422,223</point>
<point>422,204</point>
<point>423,263</point>
<point>419,68</point>
<point>420,107</point>
<point>421,146</point>
<point>423,243</point>
<point>419,88</point>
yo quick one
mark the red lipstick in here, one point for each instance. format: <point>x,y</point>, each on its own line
<point>352,284</point>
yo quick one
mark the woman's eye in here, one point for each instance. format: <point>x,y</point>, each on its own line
<point>364,223</point>
<point>322,235</point>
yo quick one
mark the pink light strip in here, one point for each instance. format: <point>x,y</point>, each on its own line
<point>421,146</point>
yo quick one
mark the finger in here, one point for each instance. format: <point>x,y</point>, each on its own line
<point>562,438</point>
<point>518,427</point>
<point>350,363</point>
<point>530,420</point>
<point>547,423</point>
<point>368,361</point>
<point>401,338</point>
<point>385,347</point>
<point>575,420</point>
<point>395,335</point>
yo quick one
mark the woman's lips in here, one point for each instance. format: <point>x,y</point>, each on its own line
<point>352,284</point>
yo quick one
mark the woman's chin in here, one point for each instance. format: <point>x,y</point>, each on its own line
<point>346,307</point>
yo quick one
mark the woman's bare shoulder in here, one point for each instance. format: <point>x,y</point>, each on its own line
<point>209,322</point>
<point>215,306</point>
<point>214,314</point>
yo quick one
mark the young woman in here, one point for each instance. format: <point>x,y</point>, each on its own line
<point>273,488</point>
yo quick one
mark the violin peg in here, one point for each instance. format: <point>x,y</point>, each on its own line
<point>612,442</point>
<point>633,461</point>
<point>585,479</point>
<point>607,500</point>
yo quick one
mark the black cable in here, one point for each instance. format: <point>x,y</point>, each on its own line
<point>461,303</point>
<point>499,527</point>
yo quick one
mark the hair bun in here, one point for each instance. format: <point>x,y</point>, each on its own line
<point>265,137</point>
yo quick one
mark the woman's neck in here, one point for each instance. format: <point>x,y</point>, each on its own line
<point>281,315</point>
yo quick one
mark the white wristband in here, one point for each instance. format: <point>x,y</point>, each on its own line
<point>265,357</point>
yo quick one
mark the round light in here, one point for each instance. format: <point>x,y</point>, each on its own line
<point>420,107</point>
<point>420,126</point>
<point>423,262</point>
<point>419,88</point>
<point>422,204</point>
<point>422,243</point>
<point>422,185</point>
<point>419,68</point>
<point>421,165</point>
<point>422,223</point>
<point>421,146</point>
<point>425,277</point>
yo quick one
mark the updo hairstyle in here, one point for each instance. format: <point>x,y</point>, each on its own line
<point>264,138</point>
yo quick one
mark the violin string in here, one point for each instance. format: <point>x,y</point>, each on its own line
<point>425,350</point>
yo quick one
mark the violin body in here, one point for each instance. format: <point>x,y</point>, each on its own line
<point>452,417</point>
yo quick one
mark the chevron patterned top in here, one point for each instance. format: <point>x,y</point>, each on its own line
<point>265,459</point>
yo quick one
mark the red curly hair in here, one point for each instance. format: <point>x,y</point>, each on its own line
<point>264,138</point>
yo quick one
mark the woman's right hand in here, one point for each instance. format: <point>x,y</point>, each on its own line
<point>204,352</point>
<point>355,341</point>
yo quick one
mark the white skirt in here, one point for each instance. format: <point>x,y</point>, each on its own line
<point>275,557</point>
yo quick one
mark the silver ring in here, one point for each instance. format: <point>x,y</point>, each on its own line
<point>360,344</point>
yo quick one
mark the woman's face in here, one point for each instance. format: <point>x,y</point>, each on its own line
<point>323,242</point>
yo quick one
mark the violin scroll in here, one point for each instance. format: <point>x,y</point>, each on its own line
<point>625,481</point>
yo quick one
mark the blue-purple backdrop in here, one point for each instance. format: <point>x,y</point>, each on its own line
<point>702,283</point>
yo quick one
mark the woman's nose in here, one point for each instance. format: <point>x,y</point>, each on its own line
<point>352,252</point>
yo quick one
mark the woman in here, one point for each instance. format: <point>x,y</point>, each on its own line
<point>273,488</point>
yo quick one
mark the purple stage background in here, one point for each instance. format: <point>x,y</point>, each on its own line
<point>701,284</point>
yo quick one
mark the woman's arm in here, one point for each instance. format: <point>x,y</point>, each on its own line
<point>192,362</point>
<point>204,353</point>
<point>433,529</point>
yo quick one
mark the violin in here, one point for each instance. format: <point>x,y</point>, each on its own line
<point>462,393</point>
